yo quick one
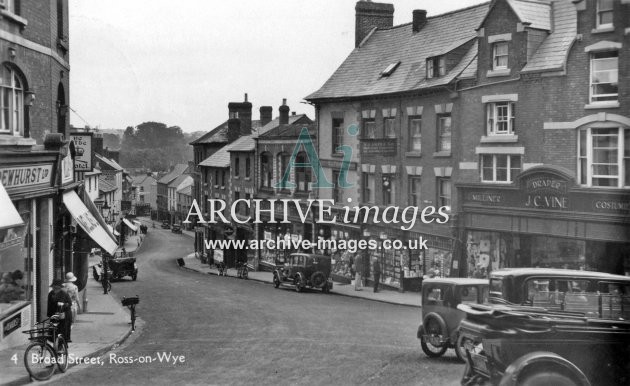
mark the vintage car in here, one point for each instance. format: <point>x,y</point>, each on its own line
<point>176,229</point>
<point>119,266</point>
<point>166,224</point>
<point>562,290</point>
<point>524,345</point>
<point>439,329</point>
<point>302,270</point>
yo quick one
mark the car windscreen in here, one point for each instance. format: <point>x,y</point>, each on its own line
<point>469,294</point>
<point>496,287</point>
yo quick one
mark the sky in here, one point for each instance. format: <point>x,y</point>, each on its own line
<point>181,63</point>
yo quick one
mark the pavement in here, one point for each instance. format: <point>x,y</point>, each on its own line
<point>104,326</point>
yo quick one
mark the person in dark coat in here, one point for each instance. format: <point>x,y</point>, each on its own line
<point>56,296</point>
<point>376,270</point>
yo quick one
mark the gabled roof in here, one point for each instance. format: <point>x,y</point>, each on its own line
<point>219,134</point>
<point>180,180</point>
<point>552,53</point>
<point>187,190</point>
<point>248,142</point>
<point>141,179</point>
<point>177,171</point>
<point>360,74</point>
<point>221,158</point>
<point>289,131</point>
<point>106,186</point>
<point>108,162</point>
<point>535,13</point>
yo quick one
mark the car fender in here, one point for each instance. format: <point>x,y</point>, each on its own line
<point>439,319</point>
<point>420,331</point>
<point>516,368</point>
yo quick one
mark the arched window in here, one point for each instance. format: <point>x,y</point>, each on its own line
<point>302,173</point>
<point>266,170</point>
<point>11,102</point>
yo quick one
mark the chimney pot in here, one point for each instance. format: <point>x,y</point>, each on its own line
<point>284,101</point>
<point>419,19</point>
<point>245,97</point>
<point>284,112</point>
<point>266,113</point>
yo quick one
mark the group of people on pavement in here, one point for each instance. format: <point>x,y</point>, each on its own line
<point>64,300</point>
<point>361,266</point>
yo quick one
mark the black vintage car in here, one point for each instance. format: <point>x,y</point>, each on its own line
<point>166,224</point>
<point>565,327</point>
<point>118,266</point>
<point>303,270</point>
<point>176,229</point>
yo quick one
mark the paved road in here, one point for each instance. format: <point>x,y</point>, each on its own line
<point>233,331</point>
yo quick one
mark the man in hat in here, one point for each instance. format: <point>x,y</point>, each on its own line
<point>59,302</point>
<point>73,291</point>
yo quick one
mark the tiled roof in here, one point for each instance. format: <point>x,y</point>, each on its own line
<point>244,143</point>
<point>106,186</point>
<point>360,74</point>
<point>219,134</point>
<point>470,71</point>
<point>220,159</point>
<point>179,180</point>
<point>186,190</point>
<point>536,13</point>
<point>290,131</point>
<point>177,171</point>
<point>552,53</point>
<point>248,143</point>
<point>108,161</point>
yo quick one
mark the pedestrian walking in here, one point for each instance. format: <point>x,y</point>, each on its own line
<point>73,291</point>
<point>59,302</point>
<point>376,270</point>
<point>358,269</point>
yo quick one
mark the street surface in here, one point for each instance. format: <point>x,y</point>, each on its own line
<point>232,331</point>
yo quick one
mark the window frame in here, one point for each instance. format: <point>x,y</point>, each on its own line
<point>415,195</point>
<point>303,174</point>
<point>266,170</point>
<point>442,135</point>
<point>492,120</point>
<point>496,55</point>
<point>435,67</point>
<point>248,166</point>
<point>595,98</point>
<point>389,127</point>
<point>510,172</point>
<point>237,166</point>
<point>412,135</point>
<point>585,158</point>
<point>336,191</point>
<point>388,195</point>
<point>442,198</point>
<point>337,135</point>
<point>12,108</point>
<point>369,132</point>
<point>598,14</point>
<point>367,188</point>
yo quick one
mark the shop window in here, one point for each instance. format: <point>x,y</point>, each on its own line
<point>444,133</point>
<point>389,189</point>
<point>500,55</point>
<point>444,192</point>
<point>337,135</point>
<point>604,76</point>
<point>11,102</point>
<point>237,166</point>
<point>414,191</point>
<point>302,173</point>
<point>604,14</point>
<point>266,170</point>
<point>499,167</point>
<point>500,118</point>
<point>368,188</point>
<point>415,134</point>
<point>604,157</point>
<point>16,286</point>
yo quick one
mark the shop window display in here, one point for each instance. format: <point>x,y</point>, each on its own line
<point>15,274</point>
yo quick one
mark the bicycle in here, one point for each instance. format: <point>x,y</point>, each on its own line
<point>48,348</point>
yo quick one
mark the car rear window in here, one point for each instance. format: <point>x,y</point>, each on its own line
<point>469,294</point>
<point>496,287</point>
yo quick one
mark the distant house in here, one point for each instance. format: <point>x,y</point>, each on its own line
<point>163,208</point>
<point>146,191</point>
<point>110,184</point>
<point>179,183</point>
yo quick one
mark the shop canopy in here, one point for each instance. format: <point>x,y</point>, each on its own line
<point>10,216</point>
<point>130,225</point>
<point>88,222</point>
<point>114,231</point>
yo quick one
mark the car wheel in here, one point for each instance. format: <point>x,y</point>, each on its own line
<point>325,288</point>
<point>432,328</point>
<point>276,281</point>
<point>460,347</point>
<point>546,378</point>
<point>299,286</point>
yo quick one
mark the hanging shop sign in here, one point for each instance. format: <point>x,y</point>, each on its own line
<point>67,169</point>
<point>83,151</point>
<point>16,177</point>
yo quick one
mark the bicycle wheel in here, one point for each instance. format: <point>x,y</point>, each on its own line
<point>62,354</point>
<point>39,360</point>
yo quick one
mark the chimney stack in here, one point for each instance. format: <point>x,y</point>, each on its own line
<point>234,129</point>
<point>369,15</point>
<point>242,111</point>
<point>284,112</point>
<point>419,19</point>
<point>266,113</point>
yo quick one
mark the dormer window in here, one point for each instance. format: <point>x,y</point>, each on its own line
<point>436,67</point>
<point>604,14</point>
<point>390,69</point>
<point>500,55</point>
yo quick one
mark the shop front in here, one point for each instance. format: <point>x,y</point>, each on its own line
<point>336,240</point>
<point>544,220</point>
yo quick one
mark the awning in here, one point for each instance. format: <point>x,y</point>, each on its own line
<point>130,225</point>
<point>88,222</point>
<point>10,216</point>
<point>114,231</point>
<point>138,223</point>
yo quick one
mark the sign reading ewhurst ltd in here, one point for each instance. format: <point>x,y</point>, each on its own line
<point>16,177</point>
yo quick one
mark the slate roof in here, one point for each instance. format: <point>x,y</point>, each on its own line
<point>108,161</point>
<point>178,181</point>
<point>360,74</point>
<point>186,190</point>
<point>552,53</point>
<point>177,171</point>
<point>219,134</point>
<point>289,131</point>
<point>106,186</point>
<point>248,143</point>
<point>536,13</point>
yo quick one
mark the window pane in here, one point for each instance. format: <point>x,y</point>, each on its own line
<point>583,143</point>
<point>445,133</point>
<point>389,128</point>
<point>501,161</point>
<point>515,166</point>
<point>605,182</point>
